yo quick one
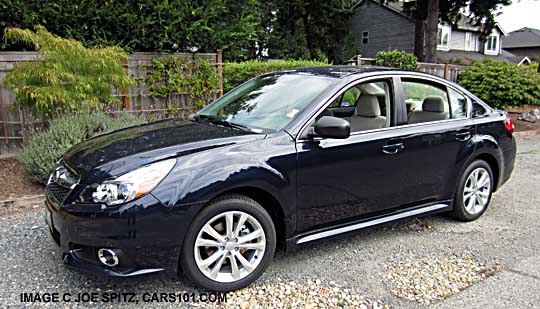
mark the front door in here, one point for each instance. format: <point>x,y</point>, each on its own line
<point>340,179</point>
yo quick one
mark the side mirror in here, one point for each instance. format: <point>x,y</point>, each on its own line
<point>332,127</point>
<point>345,104</point>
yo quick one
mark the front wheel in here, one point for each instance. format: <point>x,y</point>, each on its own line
<point>229,244</point>
<point>474,191</point>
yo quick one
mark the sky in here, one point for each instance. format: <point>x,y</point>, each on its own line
<point>519,14</point>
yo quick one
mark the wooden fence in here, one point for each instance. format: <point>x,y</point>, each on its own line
<point>15,124</point>
<point>447,71</point>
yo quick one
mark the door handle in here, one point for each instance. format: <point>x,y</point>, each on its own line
<point>463,136</point>
<point>393,148</point>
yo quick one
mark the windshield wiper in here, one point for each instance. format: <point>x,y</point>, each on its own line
<point>225,123</point>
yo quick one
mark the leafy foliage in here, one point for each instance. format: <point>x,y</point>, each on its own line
<point>309,29</point>
<point>161,25</point>
<point>172,76</point>
<point>235,74</point>
<point>481,13</point>
<point>44,148</point>
<point>396,59</point>
<point>244,29</point>
<point>67,77</point>
<point>502,84</point>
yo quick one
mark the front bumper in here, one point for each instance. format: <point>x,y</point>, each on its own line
<point>144,233</point>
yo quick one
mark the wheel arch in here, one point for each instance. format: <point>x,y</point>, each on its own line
<point>494,164</point>
<point>269,202</point>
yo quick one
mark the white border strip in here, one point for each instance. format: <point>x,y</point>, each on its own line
<point>362,225</point>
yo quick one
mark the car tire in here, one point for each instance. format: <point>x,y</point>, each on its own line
<point>474,191</point>
<point>204,251</point>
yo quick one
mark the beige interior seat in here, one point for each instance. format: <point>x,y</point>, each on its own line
<point>367,114</point>
<point>432,110</point>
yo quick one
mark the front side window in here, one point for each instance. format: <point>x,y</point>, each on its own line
<point>425,101</point>
<point>364,105</point>
<point>268,103</point>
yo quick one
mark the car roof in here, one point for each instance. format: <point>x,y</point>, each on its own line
<point>339,71</point>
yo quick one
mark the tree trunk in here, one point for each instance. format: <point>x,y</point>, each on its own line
<point>432,22</point>
<point>420,15</point>
<point>419,34</point>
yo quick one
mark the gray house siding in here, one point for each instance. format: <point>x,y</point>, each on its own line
<point>386,28</point>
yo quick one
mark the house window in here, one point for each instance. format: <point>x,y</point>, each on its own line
<point>492,44</point>
<point>468,41</point>
<point>365,37</point>
<point>443,37</point>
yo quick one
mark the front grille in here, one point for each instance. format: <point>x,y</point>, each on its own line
<point>61,182</point>
<point>59,192</point>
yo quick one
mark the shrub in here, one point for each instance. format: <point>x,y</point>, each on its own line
<point>396,59</point>
<point>45,147</point>
<point>172,76</point>
<point>67,76</point>
<point>502,84</point>
<point>236,73</point>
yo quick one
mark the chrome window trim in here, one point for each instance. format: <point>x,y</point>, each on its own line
<point>405,126</point>
<point>386,76</point>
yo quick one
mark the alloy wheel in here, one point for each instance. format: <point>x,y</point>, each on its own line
<point>230,246</point>
<point>476,191</point>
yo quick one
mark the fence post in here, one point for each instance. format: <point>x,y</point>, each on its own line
<point>358,59</point>
<point>4,119</point>
<point>22,122</point>
<point>219,60</point>
<point>125,92</point>
<point>446,71</point>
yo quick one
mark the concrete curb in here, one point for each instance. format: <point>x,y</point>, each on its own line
<point>25,200</point>
<point>526,133</point>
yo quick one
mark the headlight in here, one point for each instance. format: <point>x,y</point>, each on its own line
<point>129,186</point>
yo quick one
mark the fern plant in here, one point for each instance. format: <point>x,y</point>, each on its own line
<point>67,76</point>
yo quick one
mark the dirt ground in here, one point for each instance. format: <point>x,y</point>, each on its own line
<point>521,125</point>
<point>13,182</point>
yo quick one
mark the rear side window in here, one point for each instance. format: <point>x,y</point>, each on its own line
<point>425,101</point>
<point>478,110</point>
<point>458,104</point>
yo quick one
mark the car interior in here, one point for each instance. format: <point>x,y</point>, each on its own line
<point>433,109</point>
<point>364,106</point>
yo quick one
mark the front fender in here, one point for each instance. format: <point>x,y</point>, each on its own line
<point>268,164</point>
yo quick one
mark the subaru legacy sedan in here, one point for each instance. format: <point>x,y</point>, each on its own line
<point>285,159</point>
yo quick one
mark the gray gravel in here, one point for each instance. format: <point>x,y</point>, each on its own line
<point>507,234</point>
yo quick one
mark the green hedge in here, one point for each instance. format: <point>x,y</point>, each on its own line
<point>44,148</point>
<point>396,59</point>
<point>503,84</point>
<point>236,73</point>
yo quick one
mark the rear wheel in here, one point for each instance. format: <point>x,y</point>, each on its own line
<point>229,244</point>
<point>474,191</point>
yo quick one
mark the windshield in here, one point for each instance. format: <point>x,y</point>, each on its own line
<point>268,103</point>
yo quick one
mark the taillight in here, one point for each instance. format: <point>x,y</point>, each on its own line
<point>509,125</point>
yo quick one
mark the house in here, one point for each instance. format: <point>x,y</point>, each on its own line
<point>382,26</point>
<point>523,42</point>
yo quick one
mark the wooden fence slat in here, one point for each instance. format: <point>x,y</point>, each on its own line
<point>16,123</point>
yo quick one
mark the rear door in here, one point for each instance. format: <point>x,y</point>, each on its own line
<point>436,138</point>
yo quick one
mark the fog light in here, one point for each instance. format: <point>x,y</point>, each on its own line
<point>108,257</point>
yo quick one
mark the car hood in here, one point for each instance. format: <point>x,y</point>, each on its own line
<point>123,150</point>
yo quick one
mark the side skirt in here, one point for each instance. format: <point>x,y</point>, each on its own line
<point>416,212</point>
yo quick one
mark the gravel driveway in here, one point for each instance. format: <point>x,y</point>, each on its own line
<point>506,237</point>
